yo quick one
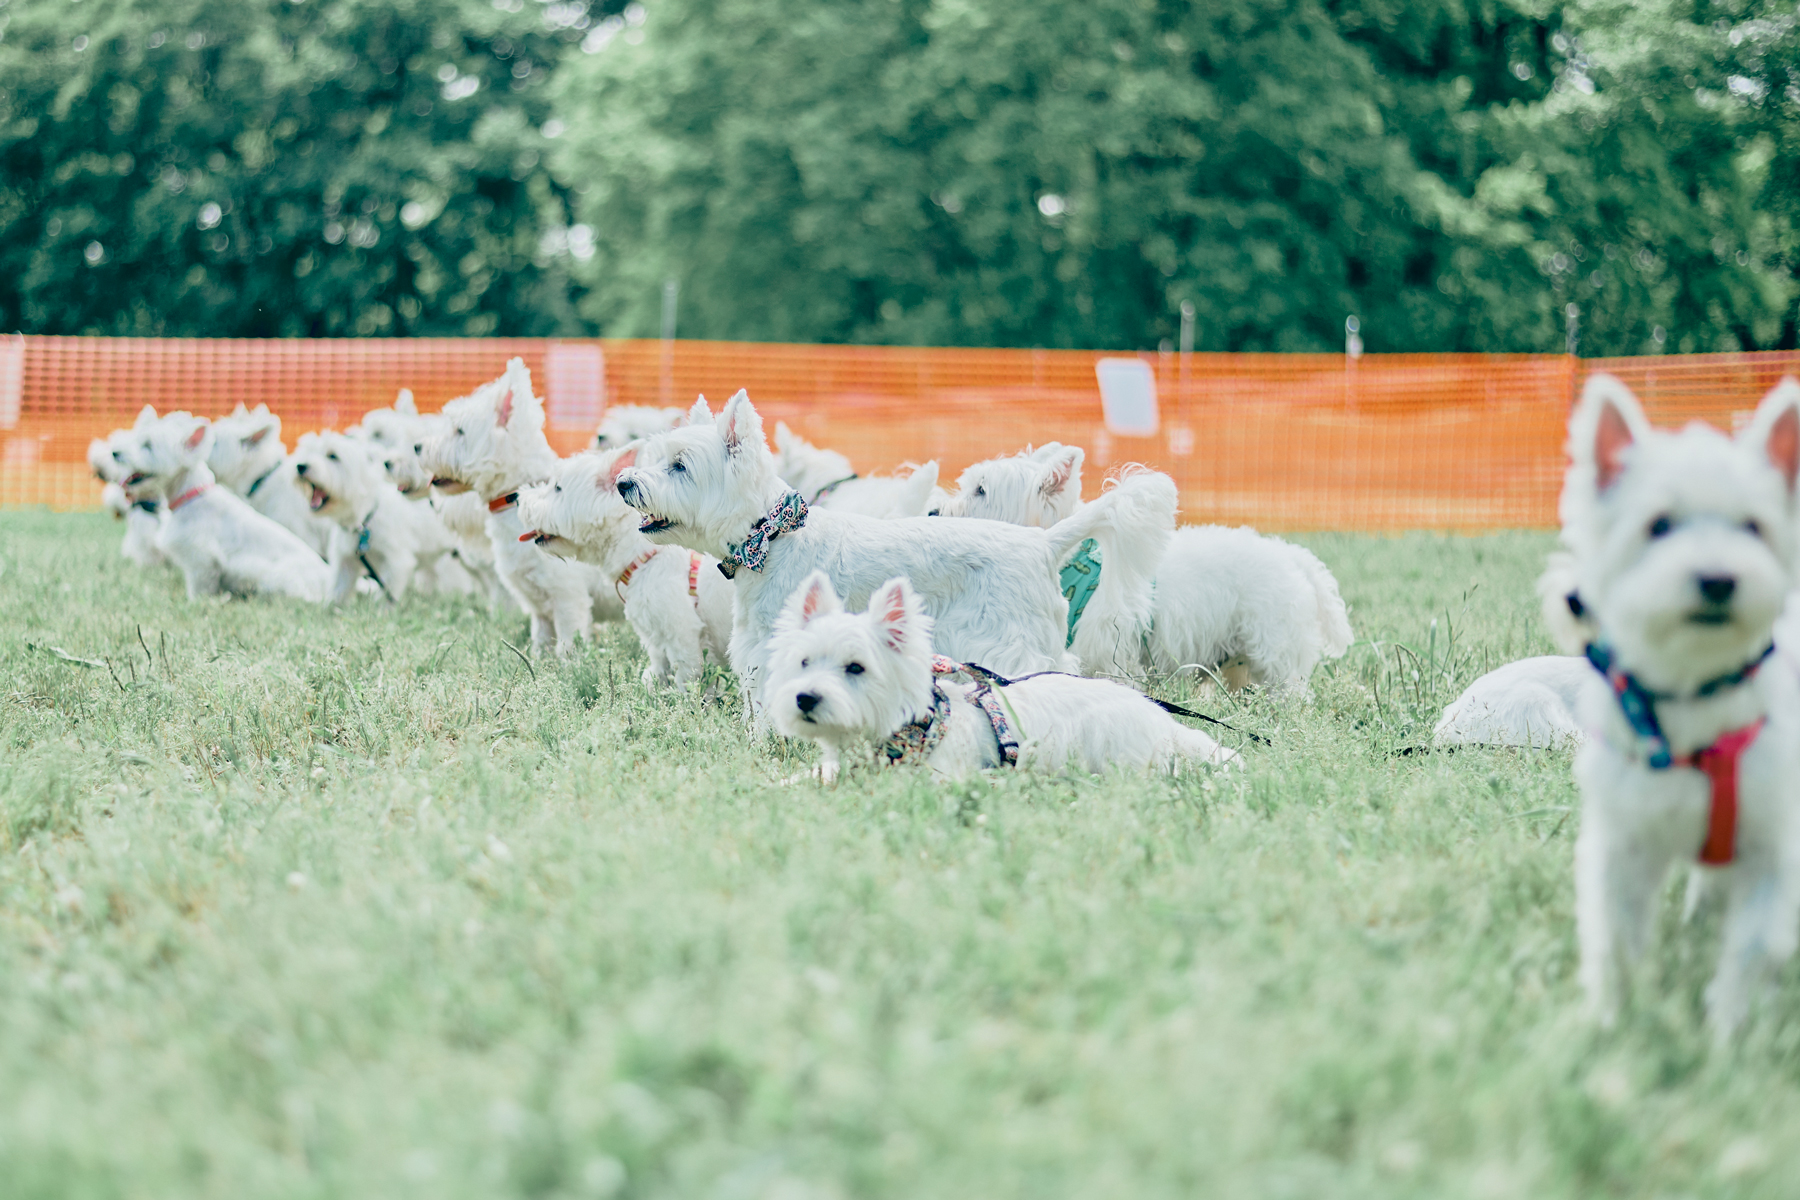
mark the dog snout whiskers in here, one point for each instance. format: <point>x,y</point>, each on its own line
<point>1716,589</point>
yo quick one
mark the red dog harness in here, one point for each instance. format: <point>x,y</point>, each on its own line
<point>1719,763</point>
<point>625,578</point>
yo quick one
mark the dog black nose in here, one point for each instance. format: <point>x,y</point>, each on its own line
<point>299,468</point>
<point>627,490</point>
<point>807,701</point>
<point>1717,589</point>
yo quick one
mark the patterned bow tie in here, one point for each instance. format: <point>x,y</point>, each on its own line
<point>788,515</point>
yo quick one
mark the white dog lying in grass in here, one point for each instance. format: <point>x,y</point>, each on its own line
<point>1223,597</point>
<point>676,601</point>
<point>711,486</point>
<point>827,480</point>
<point>382,535</point>
<point>492,442</point>
<point>220,543</point>
<point>870,680</point>
<point>249,458</point>
<point>143,519</point>
<point>1529,703</point>
<point>1682,548</point>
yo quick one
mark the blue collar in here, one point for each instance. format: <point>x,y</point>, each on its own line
<point>1638,702</point>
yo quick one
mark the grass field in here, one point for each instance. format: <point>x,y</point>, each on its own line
<point>357,904</point>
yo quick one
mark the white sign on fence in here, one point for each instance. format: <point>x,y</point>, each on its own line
<point>574,385</point>
<point>12,379</point>
<point>1128,395</point>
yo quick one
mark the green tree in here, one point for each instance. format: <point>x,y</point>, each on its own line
<point>261,167</point>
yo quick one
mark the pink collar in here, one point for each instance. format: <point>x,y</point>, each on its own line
<point>1719,763</point>
<point>190,494</point>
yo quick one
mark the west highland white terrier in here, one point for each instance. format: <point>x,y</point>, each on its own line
<point>677,602</point>
<point>1239,605</point>
<point>711,486</point>
<point>869,680</point>
<point>1682,553</point>
<point>220,543</point>
<point>144,518</point>
<point>827,480</point>
<point>1530,703</point>
<point>492,442</point>
<point>382,535</point>
<point>249,458</point>
<point>633,422</point>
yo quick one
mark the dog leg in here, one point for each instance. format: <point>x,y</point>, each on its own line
<point>1616,886</point>
<point>543,634</point>
<point>1759,935</point>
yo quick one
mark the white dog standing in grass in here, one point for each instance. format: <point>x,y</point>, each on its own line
<point>675,600</point>
<point>492,442</point>
<point>712,487</point>
<point>249,458</point>
<point>220,543</point>
<point>1251,607</point>
<point>870,680</point>
<point>1683,553</point>
<point>382,535</point>
<point>827,480</point>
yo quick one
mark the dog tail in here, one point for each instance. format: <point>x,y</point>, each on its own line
<point>1131,524</point>
<point>1334,618</point>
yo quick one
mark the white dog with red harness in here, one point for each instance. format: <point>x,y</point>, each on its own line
<point>675,599</point>
<point>1681,556</point>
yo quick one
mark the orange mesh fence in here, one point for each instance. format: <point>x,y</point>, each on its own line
<point>1290,442</point>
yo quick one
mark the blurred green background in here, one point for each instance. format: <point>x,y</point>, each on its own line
<point>954,172</point>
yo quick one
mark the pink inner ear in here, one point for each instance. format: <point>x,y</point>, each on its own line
<point>893,620</point>
<point>1784,445</point>
<point>815,599</point>
<point>256,438</point>
<point>1059,476</point>
<point>1610,440</point>
<point>503,414</point>
<point>619,464</point>
<point>194,439</point>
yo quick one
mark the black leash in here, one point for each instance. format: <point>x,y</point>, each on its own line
<point>996,679</point>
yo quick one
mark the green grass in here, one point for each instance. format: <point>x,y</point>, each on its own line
<point>352,903</point>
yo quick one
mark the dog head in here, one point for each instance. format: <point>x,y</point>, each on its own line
<point>106,456</point>
<point>578,513</point>
<point>1037,487</point>
<point>246,446</point>
<point>337,476</point>
<point>395,437</point>
<point>634,422</point>
<point>491,439</point>
<point>703,485</point>
<point>1681,545</point>
<point>841,677</point>
<point>162,454</point>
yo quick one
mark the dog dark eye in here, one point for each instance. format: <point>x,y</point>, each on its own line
<point>1753,528</point>
<point>806,662</point>
<point>853,669</point>
<point>332,456</point>
<point>678,465</point>
<point>459,433</point>
<point>559,487</point>
<point>418,447</point>
<point>980,491</point>
<point>1661,527</point>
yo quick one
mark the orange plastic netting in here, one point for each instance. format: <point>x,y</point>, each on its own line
<point>1432,441</point>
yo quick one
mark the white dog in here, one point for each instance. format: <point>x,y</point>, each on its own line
<point>1682,553</point>
<point>249,458</point>
<point>678,603</point>
<point>634,422</point>
<point>827,480</point>
<point>848,680</point>
<point>492,442</point>
<point>712,487</point>
<point>144,518</point>
<point>382,535</point>
<point>1230,601</point>
<point>220,543</point>
<point>1530,703</point>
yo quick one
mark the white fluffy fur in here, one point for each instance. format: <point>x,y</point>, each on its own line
<point>848,680</point>
<point>633,422</point>
<point>1528,703</point>
<point>249,458</point>
<point>220,543</point>
<point>578,514</point>
<point>992,587</point>
<point>144,518</point>
<point>809,470</point>
<point>492,442</point>
<point>1221,596</point>
<point>345,483</point>
<point>1648,518</point>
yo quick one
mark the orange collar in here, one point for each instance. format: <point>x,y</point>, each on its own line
<point>624,578</point>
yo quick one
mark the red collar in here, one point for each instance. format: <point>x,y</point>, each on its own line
<point>190,494</point>
<point>1719,763</point>
<point>625,575</point>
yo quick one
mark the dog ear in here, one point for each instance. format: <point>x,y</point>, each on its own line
<point>504,411</point>
<point>146,416</point>
<point>915,497</point>
<point>255,439</point>
<point>895,609</point>
<point>814,598</point>
<point>1776,429</point>
<point>403,403</point>
<point>1608,420</point>
<point>193,440</point>
<point>700,414</point>
<point>610,480</point>
<point>740,424</point>
<point>1064,467</point>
